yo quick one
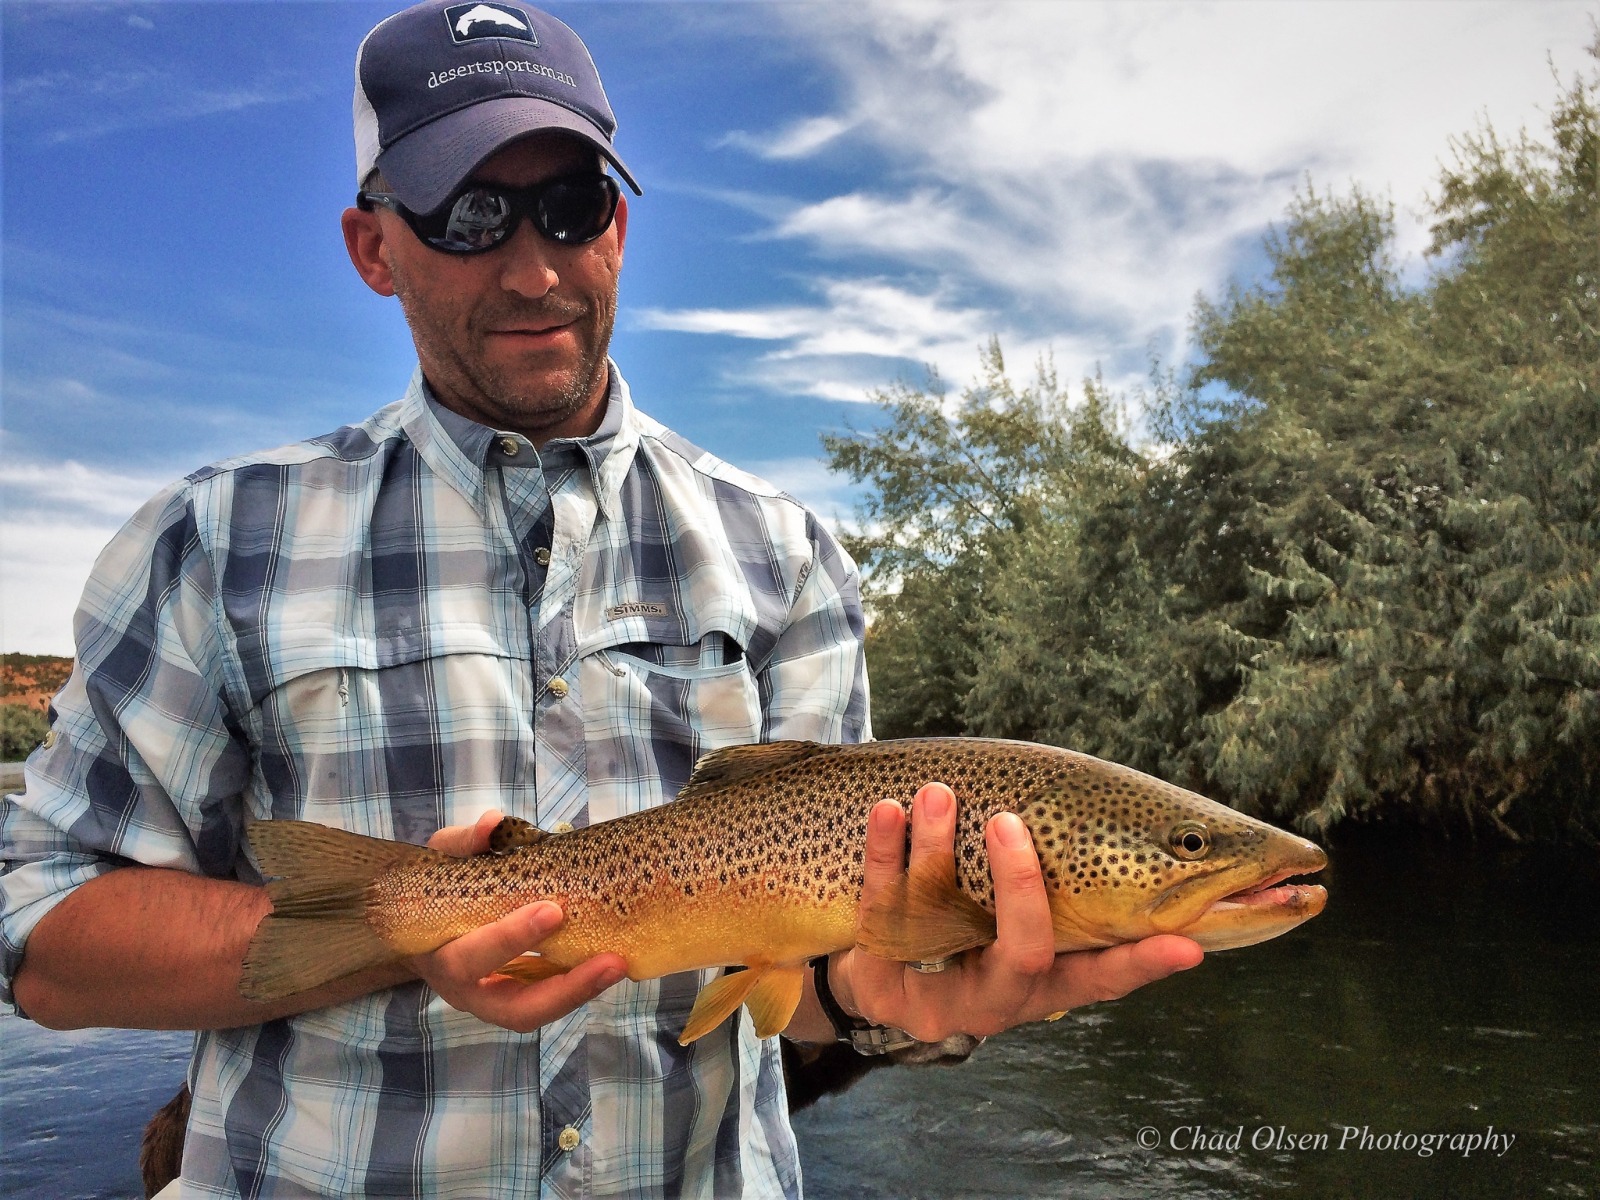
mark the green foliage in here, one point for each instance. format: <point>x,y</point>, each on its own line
<point>958,487</point>
<point>21,730</point>
<point>1358,579</point>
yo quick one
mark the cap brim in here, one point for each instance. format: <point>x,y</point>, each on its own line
<point>427,165</point>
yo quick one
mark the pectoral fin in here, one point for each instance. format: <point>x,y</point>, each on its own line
<point>923,916</point>
<point>513,832</point>
<point>530,968</point>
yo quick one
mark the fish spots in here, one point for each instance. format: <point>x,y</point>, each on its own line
<point>799,829</point>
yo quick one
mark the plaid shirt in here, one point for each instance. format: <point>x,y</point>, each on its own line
<point>394,628</point>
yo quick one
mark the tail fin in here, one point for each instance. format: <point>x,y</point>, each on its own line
<point>317,931</point>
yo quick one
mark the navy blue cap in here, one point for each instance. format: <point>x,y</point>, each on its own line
<point>441,87</point>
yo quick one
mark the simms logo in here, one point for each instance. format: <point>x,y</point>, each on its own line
<point>636,608</point>
<point>470,21</point>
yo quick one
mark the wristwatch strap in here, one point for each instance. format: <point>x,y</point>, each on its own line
<point>862,1036</point>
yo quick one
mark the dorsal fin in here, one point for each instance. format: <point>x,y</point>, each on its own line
<point>512,833</point>
<point>740,762</point>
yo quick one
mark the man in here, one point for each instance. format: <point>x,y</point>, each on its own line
<point>510,591</point>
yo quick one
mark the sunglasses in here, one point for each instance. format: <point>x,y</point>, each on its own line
<point>571,209</point>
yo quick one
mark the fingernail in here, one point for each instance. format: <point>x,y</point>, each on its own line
<point>1011,832</point>
<point>934,803</point>
<point>544,916</point>
<point>885,816</point>
<point>612,977</point>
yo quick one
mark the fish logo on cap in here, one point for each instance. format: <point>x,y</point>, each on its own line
<point>469,22</point>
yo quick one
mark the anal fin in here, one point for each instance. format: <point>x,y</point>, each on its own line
<point>771,992</point>
<point>717,1002</point>
<point>923,916</point>
<point>774,998</point>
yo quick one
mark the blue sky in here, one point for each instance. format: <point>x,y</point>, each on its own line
<point>836,196</point>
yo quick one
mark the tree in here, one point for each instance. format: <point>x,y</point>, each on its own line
<point>1359,579</point>
<point>21,730</point>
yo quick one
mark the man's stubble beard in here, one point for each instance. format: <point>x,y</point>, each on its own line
<point>488,389</point>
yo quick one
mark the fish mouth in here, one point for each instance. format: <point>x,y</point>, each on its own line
<point>1257,913</point>
<point>1273,890</point>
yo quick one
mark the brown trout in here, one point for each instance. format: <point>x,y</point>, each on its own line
<point>758,863</point>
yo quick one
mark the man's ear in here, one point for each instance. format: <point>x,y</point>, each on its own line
<point>363,239</point>
<point>622,222</point>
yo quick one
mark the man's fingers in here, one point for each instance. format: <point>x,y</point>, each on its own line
<point>886,848</point>
<point>463,841</point>
<point>585,981</point>
<point>1095,975</point>
<point>473,955</point>
<point>1025,940</point>
<point>885,862</point>
<point>933,823</point>
<point>524,1007</point>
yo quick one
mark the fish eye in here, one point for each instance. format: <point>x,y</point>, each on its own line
<point>1189,840</point>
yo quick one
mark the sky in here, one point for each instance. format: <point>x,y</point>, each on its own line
<point>837,197</point>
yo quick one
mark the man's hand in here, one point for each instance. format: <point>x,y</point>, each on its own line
<point>457,970</point>
<point>1016,979</point>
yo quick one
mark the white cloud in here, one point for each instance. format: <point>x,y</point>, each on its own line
<point>66,106</point>
<point>808,479</point>
<point>858,316</point>
<point>1087,168</point>
<point>77,493</point>
<point>863,333</point>
<point>43,567</point>
<point>55,518</point>
<point>802,138</point>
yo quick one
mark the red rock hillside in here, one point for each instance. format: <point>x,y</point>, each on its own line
<point>32,679</point>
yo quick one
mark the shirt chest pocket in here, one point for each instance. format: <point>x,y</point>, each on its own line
<point>390,738</point>
<point>654,704</point>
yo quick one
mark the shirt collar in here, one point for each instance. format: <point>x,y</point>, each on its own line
<point>461,449</point>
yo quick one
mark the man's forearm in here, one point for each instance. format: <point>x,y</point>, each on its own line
<point>145,948</point>
<point>810,1024</point>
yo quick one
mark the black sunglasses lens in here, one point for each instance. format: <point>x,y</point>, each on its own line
<point>575,211</point>
<point>478,219</point>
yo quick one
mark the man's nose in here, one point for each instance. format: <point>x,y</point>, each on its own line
<point>527,266</point>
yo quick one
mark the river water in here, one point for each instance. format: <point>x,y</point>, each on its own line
<point>1448,990</point>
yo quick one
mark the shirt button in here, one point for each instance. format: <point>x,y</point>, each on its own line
<point>569,1139</point>
<point>542,556</point>
<point>509,447</point>
<point>559,688</point>
<point>562,827</point>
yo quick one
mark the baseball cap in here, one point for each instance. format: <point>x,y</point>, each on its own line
<point>440,87</point>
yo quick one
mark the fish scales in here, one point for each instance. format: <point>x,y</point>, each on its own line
<point>799,829</point>
<point>760,861</point>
